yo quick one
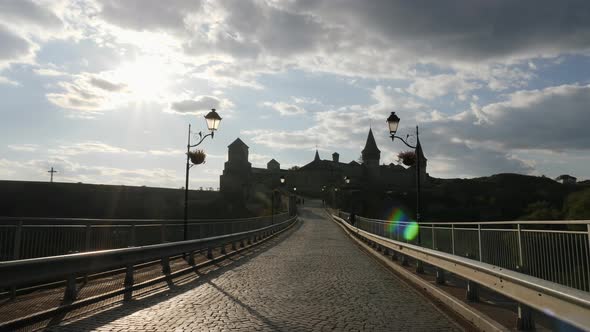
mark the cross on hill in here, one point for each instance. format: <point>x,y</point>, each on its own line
<point>51,172</point>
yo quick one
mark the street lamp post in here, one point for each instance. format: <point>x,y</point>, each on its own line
<point>272,203</point>
<point>393,122</point>
<point>213,119</point>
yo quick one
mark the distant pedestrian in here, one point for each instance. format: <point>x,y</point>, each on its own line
<point>352,218</point>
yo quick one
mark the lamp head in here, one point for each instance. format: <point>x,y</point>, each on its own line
<point>393,122</point>
<point>213,120</point>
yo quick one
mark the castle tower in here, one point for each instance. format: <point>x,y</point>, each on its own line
<point>237,168</point>
<point>371,154</point>
<point>273,165</point>
<point>335,157</point>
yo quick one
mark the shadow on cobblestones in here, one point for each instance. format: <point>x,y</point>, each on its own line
<point>311,214</point>
<point>316,279</point>
<point>250,310</point>
<point>172,287</point>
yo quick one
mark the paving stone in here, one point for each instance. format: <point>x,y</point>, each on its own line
<point>315,279</point>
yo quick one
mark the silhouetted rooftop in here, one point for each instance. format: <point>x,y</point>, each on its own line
<point>237,142</point>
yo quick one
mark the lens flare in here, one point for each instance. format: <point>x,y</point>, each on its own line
<point>411,231</point>
<point>399,223</point>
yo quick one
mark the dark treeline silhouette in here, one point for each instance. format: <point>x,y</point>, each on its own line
<point>496,197</point>
<point>77,200</point>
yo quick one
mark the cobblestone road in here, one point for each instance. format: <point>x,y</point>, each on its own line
<point>314,279</point>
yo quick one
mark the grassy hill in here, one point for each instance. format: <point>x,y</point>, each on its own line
<point>491,198</point>
<point>496,197</point>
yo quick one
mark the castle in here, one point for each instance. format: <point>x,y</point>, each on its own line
<point>318,176</point>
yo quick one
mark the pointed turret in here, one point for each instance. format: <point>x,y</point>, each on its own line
<point>421,153</point>
<point>317,155</point>
<point>371,153</point>
<point>423,161</point>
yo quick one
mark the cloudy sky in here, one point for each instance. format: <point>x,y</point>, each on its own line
<point>104,90</point>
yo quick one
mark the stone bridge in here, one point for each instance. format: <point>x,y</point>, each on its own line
<point>320,274</point>
<point>315,278</point>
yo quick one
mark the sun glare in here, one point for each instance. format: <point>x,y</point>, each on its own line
<point>147,78</point>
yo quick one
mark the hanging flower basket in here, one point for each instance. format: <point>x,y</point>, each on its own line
<point>408,158</point>
<point>197,157</point>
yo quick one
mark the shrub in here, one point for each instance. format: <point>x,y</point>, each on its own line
<point>408,158</point>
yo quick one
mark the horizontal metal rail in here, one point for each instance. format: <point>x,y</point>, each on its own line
<point>556,251</point>
<point>28,272</point>
<point>22,238</point>
<point>565,303</point>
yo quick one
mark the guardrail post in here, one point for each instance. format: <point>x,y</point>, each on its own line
<point>242,243</point>
<point>393,255</point>
<point>209,253</point>
<point>87,245</point>
<point>419,266</point>
<point>472,291</point>
<point>223,252</point>
<point>17,240</point>
<point>453,238</point>
<point>166,265</point>
<point>525,321</point>
<point>133,238</point>
<point>433,238</point>
<point>191,258</point>
<point>472,294</point>
<point>440,276</point>
<point>404,260</point>
<point>479,242</point>
<point>128,283</point>
<point>87,237</point>
<point>70,291</point>
<point>16,251</point>
<point>520,258</point>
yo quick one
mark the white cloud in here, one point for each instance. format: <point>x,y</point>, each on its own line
<point>23,147</point>
<point>200,105</point>
<point>168,152</point>
<point>7,81</point>
<point>14,48</point>
<point>89,147</point>
<point>440,85</point>
<point>88,92</point>
<point>24,25</point>
<point>259,160</point>
<point>71,171</point>
<point>284,109</point>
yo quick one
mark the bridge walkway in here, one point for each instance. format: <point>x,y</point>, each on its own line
<point>314,279</point>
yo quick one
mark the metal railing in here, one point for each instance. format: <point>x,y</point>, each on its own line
<point>559,301</point>
<point>69,268</point>
<point>23,238</point>
<point>556,251</point>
